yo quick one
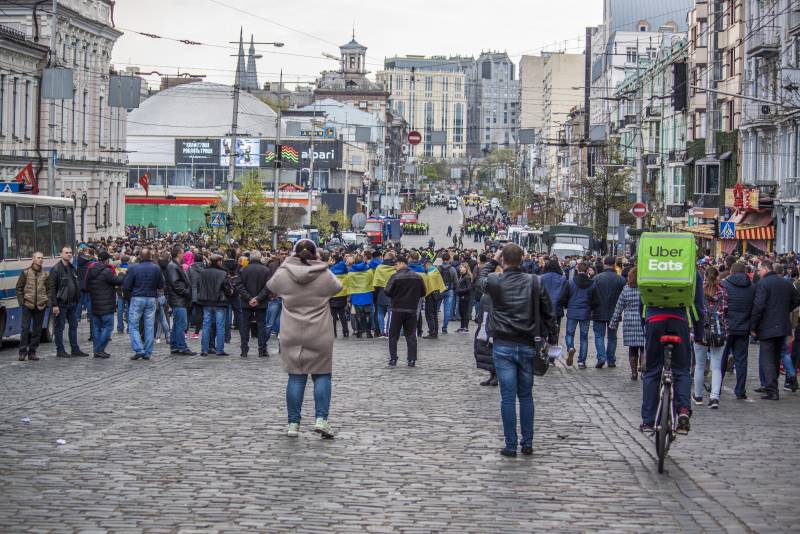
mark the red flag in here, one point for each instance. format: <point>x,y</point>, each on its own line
<point>144,181</point>
<point>28,179</point>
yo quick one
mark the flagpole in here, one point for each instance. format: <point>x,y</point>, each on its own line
<point>277,175</point>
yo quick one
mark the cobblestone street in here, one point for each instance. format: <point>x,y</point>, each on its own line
<point>183,444</point>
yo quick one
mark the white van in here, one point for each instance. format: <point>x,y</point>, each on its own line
<point>452,204</point>
<point>562,250</point>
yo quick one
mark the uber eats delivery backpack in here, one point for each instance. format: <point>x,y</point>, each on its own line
<point>665,270</point>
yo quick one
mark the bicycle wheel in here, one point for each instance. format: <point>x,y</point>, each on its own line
<point>664,426</point>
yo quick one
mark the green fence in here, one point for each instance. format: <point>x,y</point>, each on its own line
<point>167,217</point>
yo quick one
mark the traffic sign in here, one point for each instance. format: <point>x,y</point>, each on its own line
<point>9,187</point>
<point>727,230</point>
<point>639,210</point>
<point>217,219</point>
<point>414,137</point>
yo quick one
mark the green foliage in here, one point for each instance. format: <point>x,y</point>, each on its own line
<point>322,220</point>
<point>608,189</point>
<point>252,216</point>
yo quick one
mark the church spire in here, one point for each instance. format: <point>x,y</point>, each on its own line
<point>241,71</point>
<point>252,74</point>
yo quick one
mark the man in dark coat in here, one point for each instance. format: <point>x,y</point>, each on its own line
<point>607,287</point>
<point>65,299</point>
<point>101,284</point>
<point>179,295</point>
<point>406,289</point>
<point>775,300</point>
<point>211,295</point>
<point>741,293</point>
<point>252,290</point>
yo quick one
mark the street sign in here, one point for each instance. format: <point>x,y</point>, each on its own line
<point>10,187</point>
<point>414,137</point>
<point>639,210</point>
<point>217,219</point>
<point>727,230</point>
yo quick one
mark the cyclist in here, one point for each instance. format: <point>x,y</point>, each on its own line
<point>670,321</point>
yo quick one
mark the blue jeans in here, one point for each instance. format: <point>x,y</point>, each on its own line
<point>296,388</point>
<point>739,344</point>
<point>448,299</point>
<point>701,354</point>
<point>569,337</point>
<point>66,314</point>
<point>180,322</point>
<point>121,305</point>
<point>216,314</point>
<point>513,363</point>
<point>162,324</point>
<point>654,363</point>
<point>138,308</point>
<point>103,326</point>
<point>382,311</point>
<point>786,358</point>
<point>605,351</point>
<point>86,304</point>
<point>274,317</point>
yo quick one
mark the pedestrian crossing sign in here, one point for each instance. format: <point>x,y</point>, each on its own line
<point>217,219</point>
<point>727,230</point>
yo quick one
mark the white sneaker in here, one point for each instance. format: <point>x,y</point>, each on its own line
<point>293,430</point>
<point>322,427</point>
<point>158,341</point>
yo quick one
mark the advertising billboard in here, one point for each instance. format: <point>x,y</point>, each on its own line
<point>296,154</point>
<point>196,151</point>
<point>248,153</point>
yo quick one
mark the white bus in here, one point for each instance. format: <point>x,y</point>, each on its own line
<point>29,223</point>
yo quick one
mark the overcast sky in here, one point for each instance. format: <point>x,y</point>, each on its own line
<point>308,28</point>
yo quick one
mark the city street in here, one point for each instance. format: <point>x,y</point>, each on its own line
<point>185,444</point>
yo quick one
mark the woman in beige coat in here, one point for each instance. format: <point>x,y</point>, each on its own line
<point>306,285</point>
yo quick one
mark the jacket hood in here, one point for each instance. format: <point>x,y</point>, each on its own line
<point>739,280</point>
<point>360,267</point>
<point>305,274</point>
<point>339,268</point>
<point>582,280</point>
<point>373,264</point>
<point>416,267</point>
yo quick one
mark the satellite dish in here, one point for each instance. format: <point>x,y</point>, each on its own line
<point>358,221</point>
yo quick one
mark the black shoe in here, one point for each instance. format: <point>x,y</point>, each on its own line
<point>599,365</point>
<point>527,451</point>
<point>713,404</point>
<point>137,356</point>
<point>392,363</point>
<point>223,353</point>
<point>612,365</point>
<point>508,453</point>
<point>369,335</point>
<point>684,425</point>
<point>697,400</point>
<point>770,397</point>
<point>102,355</point>
<point>581,365</point>
<point>263,354</point>
<point>488,381</point>
<point>79,354</point>
<point>741,397</point>
<point>243,355</point>
<point>430,336</point>
<point>412,363</point>
<point>62,354</point>
<point>346,335</point>
<point>761,389</point>
<point>22,356</point>
<point>187,352</point>
<point>204,354</point>
<point>173,351</point>
<point>493,381</point>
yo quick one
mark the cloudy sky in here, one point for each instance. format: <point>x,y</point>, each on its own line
<point>309,28</point>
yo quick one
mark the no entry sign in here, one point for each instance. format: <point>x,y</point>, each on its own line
<point>639,210</point>
<point>414,138</point>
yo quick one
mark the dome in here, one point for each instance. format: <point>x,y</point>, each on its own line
<point>194,110</point>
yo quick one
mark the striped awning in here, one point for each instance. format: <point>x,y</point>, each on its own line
<point>755,233</point>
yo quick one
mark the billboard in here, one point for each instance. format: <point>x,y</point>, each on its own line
<point>197,151</point>
<point>295,154</point>
<point>248,153</point>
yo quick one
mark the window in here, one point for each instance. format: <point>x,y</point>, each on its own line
<point>59,229</point>
<point>631,54</point>
<point>74,121</point>
<point>43,238</point>
<point>63,124</point>
<point>86,61</point>
<point>428,128</point>
<point>706,180</point>
<point>2,103</point>
<point>731,71</point>
<point>458,125</point>
<point>458,86</point>
<point>75,53</point>
<point>27,110</point>
<point>9,232</point>
<point>25,231</point>
<point>100,123</point>
<point>83,126</point>
<point>678,187</point>
<point>97,213</point>
<point>652,53</point>
<point>428,85</point>
<point>70,228</point>
<point>444,85</point>
<point>14,107</point>
<point>105,214</point>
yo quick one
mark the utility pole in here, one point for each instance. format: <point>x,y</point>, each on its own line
<point>311,164</point>
<point>51,142</point>
<point>640,171</point>
<point>277,178</point>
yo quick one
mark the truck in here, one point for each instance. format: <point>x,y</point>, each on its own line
<point>568,234</point>
<point>296,235</point>
<point>381,230</point>
<point>408,217</point>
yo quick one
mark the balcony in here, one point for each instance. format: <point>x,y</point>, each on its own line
<point>699,55</point>
<point>794,22</point>
<point>789,189</point>
<point>758,114</point>
<point>764,42</point>
<point>677,156</point>
<point>652,160</point>
<point>701,10</point>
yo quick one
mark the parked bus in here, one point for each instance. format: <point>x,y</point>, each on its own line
<point>29,223</point>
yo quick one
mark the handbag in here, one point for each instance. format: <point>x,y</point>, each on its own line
<point>541,362</point>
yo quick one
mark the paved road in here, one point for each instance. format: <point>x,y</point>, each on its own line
<point>184,444</point>
<point>438,219</point>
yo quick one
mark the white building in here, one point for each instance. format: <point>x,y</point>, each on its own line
<point>88,134</point>
<point>493,103</point>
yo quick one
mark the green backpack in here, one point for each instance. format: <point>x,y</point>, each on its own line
<point>665,270</point>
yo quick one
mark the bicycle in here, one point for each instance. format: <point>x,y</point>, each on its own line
<point>665,423</point>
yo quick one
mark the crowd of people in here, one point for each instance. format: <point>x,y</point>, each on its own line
<point>177,287</point>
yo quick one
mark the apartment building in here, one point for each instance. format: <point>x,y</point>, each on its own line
<point>493,103</point>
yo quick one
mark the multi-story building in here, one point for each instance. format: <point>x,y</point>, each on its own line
<point>87,133</point>
<point>431,94</point>
<point>769,129</point>
<point>493,103</point>
<point>531,116</point>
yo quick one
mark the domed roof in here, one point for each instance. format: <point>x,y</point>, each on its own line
<point>200,109</point>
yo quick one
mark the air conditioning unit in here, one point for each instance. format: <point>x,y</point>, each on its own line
<point>766,110</point>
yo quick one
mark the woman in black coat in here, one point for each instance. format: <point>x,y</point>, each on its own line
<point>464,288</point>
<point>483,344</point>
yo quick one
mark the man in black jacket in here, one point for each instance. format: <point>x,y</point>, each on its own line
<point>101,285</point>
<point>253,294</point>
<point>775,300</point>
<point>406,289</point>
<point>513,328</point>
<point>65,298</point>
<point>606,290</point>
<point>179,296</point>
<point>741,293</point>
<point>211,295</point>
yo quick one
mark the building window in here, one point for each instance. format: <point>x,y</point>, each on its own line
<point>27,111</point>
<point>74,123</point>
<point>729,106</point>
<point>75,54</point>
<point>706,179</point>
<point>631,54</point>
<point>63,123</point>
<point>445,82</point>
<point>428,128</point>
<point>428,85</point>
<point>2,104</point>
<point>85,101</point>
<point>100,122</point>
<point>458,86</point>
<point>458,124</point>
<point>14,108</point>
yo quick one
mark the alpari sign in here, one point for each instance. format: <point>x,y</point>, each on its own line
<point>327,154</point>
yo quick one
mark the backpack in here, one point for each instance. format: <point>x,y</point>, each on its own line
<point>715,334</point>
<point>446,277</point>
<point>665,270</point>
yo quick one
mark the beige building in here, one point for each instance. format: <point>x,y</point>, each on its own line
<point>430,93</point>
<point>531,87</point>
